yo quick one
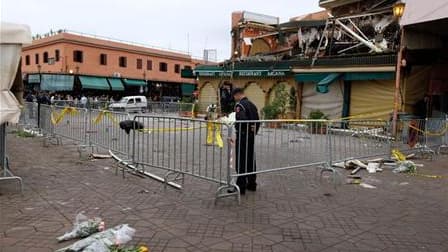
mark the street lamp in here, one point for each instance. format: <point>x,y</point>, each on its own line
<point>398,9</point>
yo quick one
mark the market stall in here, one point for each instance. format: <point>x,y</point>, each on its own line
<point>12,37</point>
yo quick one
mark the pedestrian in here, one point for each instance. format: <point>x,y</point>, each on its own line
<point>83,101</point>
<point>245,110</point>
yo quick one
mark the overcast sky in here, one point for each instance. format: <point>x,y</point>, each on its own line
<point>163,23</point>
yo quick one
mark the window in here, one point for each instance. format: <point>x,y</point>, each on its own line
<point>27,60</point>
<point>103,59</point>
<point>36,58</point>
<point>45,57</point>
<point>139,63</point>
<point>177,68</point>
<point>77,56</point>
<point>138,100</point>
<point>187,67</point>
<point>163,67</point>
<point>149,65</point>
<point>122,61</point>
<point>56,55</point>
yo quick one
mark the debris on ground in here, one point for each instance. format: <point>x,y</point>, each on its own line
<point>99,156</point>
<point>351,179</point>
<point>372,166</point>
<point>368,186</point>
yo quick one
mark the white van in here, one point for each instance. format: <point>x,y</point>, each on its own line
<point>130,104</point>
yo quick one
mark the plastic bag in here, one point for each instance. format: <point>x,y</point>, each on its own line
<point>83,227</point>
<point>123,235</point>
<point>97,246</point>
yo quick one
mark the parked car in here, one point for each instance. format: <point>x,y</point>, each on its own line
<point>130,104</point>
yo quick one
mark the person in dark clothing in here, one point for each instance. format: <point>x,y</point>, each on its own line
<point>245,110</point>
<point>421,108</point>
<point>226,100</point>
<point>29,97</point>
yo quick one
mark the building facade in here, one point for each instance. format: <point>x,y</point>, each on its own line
<point>343,64</point>
<point>140,69</point>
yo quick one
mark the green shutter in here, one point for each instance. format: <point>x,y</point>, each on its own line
<point>322,85</point>
<point>98,83</point>
<point>370,76</point>
<point>310,77</point>
<point>56,82</point>
<point>130,82</point>
<point>34,78</point>
<point>116,84</point>
<point>187,89</point>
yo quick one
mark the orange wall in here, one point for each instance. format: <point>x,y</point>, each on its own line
<point>91,59</point>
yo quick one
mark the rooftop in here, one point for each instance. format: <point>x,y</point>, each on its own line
<point>95,40</point>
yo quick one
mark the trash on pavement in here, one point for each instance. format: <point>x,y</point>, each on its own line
<point>100,156</point>
<point>369,186</point>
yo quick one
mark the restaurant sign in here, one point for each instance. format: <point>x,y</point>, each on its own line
<point>244,73</point>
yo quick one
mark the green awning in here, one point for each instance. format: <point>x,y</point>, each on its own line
<point>130,82</point>
<point>90,82</point>
<point>34,78</point>
<point>310,77</point>
<point>116,84</point>
<point>187,89</point>
<point>322,85</point>
<point>56,82</point>
<point>187,73</point>
<point>370,76</point>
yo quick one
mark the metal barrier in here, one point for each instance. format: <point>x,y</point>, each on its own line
<point>222,152</point>
<point>29,116</point>
<point>359,139</point>
<point>210,150</point>
<point>425,136</point>
<point>103,130</point>
<point>178,146</point>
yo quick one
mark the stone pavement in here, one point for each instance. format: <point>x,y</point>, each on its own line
<point>291,211</point>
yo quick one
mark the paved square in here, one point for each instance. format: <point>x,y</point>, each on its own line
<point>291,211</point>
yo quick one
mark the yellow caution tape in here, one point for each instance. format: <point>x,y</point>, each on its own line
<point>106,113</point>
<point>56,118</point>
<point>398,155</point>
<point>214,132</point>
<point>428,133</point>
<point>427,176</point>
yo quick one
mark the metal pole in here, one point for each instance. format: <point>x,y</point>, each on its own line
<point>397,99</point>
<point>229,156</point>
<point>3,148</point>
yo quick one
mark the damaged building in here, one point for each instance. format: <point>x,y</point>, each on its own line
<point>341,61</point>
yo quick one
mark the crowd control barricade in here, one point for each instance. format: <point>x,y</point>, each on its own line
<point>281,145</point>
<point>104,131</point>
<point>29,115</point>
<point>359,139</point>
<point>425,137</point>
<point>169,108</point>
<point>178,146</point>
<point>70,123</point>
